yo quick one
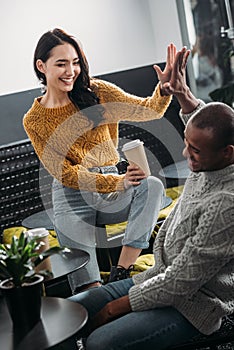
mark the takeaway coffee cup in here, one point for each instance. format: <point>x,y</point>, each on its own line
<point>42,236</point>
<point>135,153</point>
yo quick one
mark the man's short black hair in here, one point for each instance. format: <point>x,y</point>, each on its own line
<point>219,118</point>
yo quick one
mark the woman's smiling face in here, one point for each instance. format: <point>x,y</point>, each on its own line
<point>61,69</point>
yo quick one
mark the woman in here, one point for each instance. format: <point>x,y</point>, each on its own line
<point>74,130</point>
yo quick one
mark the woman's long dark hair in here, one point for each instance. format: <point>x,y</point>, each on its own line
<point>81,95</point>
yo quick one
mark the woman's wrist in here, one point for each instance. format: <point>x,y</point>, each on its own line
<point>163,91</point>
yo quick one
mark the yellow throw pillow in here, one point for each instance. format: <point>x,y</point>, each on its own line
<point>8,233</point>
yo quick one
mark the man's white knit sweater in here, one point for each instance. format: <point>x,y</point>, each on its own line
<point>194,254</point>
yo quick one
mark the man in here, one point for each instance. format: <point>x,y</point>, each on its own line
<point>191,287</point>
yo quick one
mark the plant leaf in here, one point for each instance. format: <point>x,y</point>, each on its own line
<point>18,259</point>
<point>4,271</point>
<point>224,94</point>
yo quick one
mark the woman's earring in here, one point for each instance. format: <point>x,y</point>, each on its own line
<point>43,88</point>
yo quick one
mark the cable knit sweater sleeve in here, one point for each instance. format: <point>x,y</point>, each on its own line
<point>122,106</point>
<point>68,146</point>
<point>65,158</point>
<point>207,249</point>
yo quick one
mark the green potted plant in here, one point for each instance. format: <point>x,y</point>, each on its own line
<point>21,284</point>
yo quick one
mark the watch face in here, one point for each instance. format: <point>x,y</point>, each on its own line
<point>122,166</point>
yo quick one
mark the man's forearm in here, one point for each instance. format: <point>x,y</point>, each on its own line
<point>187,101</point>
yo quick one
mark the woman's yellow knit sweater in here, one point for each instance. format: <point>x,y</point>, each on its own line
<point>67,145</point>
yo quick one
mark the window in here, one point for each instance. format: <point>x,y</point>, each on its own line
<point>207,29</point>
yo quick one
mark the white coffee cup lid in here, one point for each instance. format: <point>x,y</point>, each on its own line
<point>38,232</point>
<point>132,144</point>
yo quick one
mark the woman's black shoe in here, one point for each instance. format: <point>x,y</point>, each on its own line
<point>119,273</point>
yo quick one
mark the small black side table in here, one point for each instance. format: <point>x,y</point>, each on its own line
<point>68,262</point>
<point>178,170</point>
<point>166,202</point>
<point>57,285</point>
<point>61,319</point>
<point>43,218</point>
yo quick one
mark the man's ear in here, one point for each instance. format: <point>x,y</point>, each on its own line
<point>40,66</point>
<point>228,152</point>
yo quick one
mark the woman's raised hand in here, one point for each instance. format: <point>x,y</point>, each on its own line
<point>165,75</point>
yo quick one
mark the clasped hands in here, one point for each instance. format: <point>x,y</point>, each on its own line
<point>110,312</point>
<point>172,78</point>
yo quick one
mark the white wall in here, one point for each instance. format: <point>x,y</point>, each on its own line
<point>165,25</point>
<point>116,34</point>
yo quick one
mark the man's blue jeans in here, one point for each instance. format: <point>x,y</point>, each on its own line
<point>154,329</point>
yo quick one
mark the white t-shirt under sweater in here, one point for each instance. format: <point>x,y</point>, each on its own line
<point>194,254</point>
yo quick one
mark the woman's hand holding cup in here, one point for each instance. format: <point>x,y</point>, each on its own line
<point>133,176</point>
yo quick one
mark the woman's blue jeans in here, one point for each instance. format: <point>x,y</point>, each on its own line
<point>154,329</point>
<point>78,213</point>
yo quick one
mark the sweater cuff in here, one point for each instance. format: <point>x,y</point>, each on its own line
<point>161,99</point>
<point>136,299</point>
<point>185,117</point>
<point>120,183</point>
